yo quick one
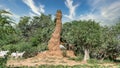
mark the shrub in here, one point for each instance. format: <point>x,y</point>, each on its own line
<point>93,61</point>
<point>3,62</point>
<point>42,47</point>
<point>21,46</point>
<point>29,49</point>
<point>79,58</point>
<point>10,47</point>
<point>64,53</point>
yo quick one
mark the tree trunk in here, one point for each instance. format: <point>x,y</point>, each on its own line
<point>102,59</point>
<point>86,54</point>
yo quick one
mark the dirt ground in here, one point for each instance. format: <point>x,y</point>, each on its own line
<point>46,57</point>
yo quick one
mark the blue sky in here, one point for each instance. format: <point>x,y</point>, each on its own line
<point>107,12</point>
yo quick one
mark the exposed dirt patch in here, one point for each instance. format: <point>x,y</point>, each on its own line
<point>46,57</point>
<point>51,58</point>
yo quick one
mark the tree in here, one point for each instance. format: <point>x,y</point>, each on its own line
<point>85,34</point>
<point>23,26</point>
<point>41,29</point>
<point>6,28</point>
<point>109,48</point>
<point>37,29</point>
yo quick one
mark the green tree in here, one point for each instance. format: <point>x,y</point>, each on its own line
<point>6,28</point>
<point>24,27</point>
<point>85,34</point>
<point>42,27</point>
<point>109,48</point>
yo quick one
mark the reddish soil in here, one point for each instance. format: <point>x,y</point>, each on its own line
<point>46,57</point>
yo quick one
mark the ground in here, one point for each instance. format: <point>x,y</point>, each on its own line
<point>45,58</point>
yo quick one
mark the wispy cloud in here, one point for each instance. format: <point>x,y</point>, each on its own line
<point>36,10</point>
<point>72,8</point>
<point>104,11</point>
<point>13,16</point>
<point>31,14</point>
<point>112,11</point>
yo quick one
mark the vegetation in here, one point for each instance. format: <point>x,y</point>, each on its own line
<point>75,66</point>
<point>92,40</point>
<point>32,34</point>
<point>84,34</point>
<point>3,62</point>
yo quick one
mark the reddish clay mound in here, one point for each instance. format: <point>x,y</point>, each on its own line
<point>54,41</point>
<point>55,54</point>
<point>45,58</point>
<point>49,54</point>
<point>70,53</point>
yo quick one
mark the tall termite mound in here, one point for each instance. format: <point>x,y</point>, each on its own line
<point>54,42</point>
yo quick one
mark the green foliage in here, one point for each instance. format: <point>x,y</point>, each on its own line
<point>42,27</point>
<point>78,58</point>
<point>24,27</point>
<point>6,28</point>
<point>64,53</point>
<point>42,47</point>
<point>30,50</point>
<point>93,61</point>
<point>103,42</point>
<point>36,30</point>
<point>84,34</point>
<point>109,44</point>
<point>75,66</point>
<point>3,62</point>
<point>32,35</point>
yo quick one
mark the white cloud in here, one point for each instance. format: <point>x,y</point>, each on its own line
<point>42,8</point>
<point>103,11</point>
<point>32,14</point>
<point>14,16</point>
<point>87,17</point>
<point>7,9</point>
<point>34,8</point>
<point>72,8</point>
<point>111,11</point>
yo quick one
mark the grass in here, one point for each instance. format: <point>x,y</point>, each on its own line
<point>92,63</point>
<point>76,58</point>
<point>76,66</point>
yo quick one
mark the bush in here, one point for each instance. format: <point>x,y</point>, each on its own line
<point>3,62</point>
<point>64,53</point>
<point>16,47</point>
<point>10,47</point>
<point>42,47</point>
<point>22,46</point>
<point>79,58</point>
<point>29,49</point>
<point>93,61</point>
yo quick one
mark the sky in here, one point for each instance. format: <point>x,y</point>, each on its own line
<point>106,12</point>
